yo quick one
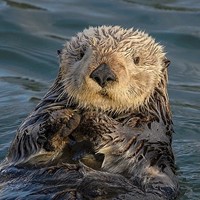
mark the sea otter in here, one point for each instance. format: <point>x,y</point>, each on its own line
<point>103,130</point>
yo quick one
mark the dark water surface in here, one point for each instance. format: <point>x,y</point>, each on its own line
<point>31,32</point>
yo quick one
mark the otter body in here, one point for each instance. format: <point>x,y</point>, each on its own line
<point>103,130</point>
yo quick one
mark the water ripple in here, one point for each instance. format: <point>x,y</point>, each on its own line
<point>26,83</point>
<point>22,5</point>
<point>170,5</point>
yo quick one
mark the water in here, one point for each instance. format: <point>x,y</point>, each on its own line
<point>31,32</point>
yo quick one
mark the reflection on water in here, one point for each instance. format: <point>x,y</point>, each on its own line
<point>31,32</point>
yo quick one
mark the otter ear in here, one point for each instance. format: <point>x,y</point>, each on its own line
<point>166,62</point>
<point>59,51</point>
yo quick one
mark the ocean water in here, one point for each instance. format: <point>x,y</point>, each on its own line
<point>31,31</point>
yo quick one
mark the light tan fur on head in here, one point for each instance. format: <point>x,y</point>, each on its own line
<point>134,56</point>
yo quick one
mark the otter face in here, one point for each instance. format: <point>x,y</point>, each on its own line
<point>111,69</point>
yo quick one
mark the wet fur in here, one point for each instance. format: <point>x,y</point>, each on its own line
<point>129,122</point>
<point>118,48</point>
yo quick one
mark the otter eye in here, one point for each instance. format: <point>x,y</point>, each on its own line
<point>82,53</point>
<point>136,60</point>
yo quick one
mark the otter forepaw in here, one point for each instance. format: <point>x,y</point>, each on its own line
<point>64,121</point>
<point>72,123</point>
<point>60,124</point>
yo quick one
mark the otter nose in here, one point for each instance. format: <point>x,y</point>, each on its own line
<point>103,74</point>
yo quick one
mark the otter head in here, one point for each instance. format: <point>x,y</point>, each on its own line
<point>111,69</point>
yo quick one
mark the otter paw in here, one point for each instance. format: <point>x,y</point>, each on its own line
<point>73,122</point>
<point>60,124</point>
<point>65,121</point>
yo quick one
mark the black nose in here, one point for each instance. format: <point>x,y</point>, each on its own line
<point>103,74</point>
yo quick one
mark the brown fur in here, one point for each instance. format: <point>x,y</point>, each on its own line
<point>128,121</point>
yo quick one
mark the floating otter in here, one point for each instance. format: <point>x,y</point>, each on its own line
<point>103,130</point>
